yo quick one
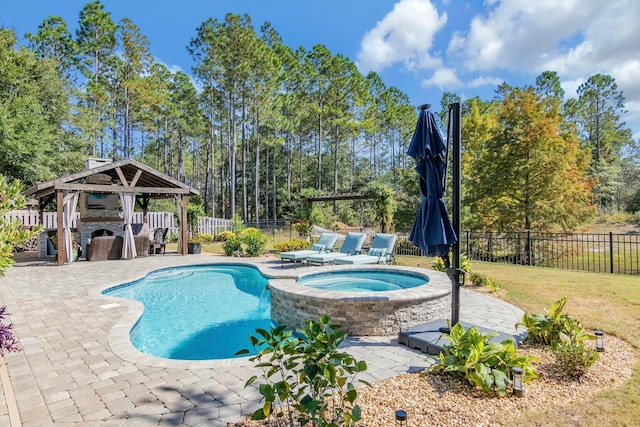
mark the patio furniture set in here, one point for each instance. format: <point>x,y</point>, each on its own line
<point>351,252</point>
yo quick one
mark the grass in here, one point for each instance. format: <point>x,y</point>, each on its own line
<point>610,302</point>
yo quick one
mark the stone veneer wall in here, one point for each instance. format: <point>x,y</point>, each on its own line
<point>359,316</point>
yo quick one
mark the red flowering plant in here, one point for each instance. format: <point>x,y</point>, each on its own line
<point>303,227</point>
<point>8,342</point>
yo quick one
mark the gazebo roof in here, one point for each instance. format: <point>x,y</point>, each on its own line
<point>127,176</point>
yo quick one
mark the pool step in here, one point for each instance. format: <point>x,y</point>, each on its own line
<point>428,337</point>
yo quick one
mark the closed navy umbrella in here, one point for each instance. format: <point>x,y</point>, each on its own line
<point>432,231</point>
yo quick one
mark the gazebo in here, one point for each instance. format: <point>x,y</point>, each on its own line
<point>100,184</point>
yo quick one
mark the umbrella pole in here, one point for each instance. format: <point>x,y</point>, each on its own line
<point>455,273</point>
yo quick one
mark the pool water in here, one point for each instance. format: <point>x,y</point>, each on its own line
<point>363,281</point>
<point>198,313</point>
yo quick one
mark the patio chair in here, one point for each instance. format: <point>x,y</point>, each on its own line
<point>381,251</point>
<point>158,244</point>
<point>325,243</point>
<point>352,246</point>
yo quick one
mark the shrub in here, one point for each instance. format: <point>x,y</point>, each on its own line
<point>546,329</point>
<point>231,246</point>
<point>438,264</point>
<point>292,245</point>
<point>8,342</point>
<point>255,240</point>
<point>573,357</point>
<point>206,237</point>
<point>223,236</point>
<point>306,375</point>
<point>471,355</point>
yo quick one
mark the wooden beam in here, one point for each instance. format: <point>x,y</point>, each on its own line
<point>97,188</point>
<point>123,180</point>
<point>135,179</point>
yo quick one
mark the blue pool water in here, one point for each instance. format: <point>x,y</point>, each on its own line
<point>198,313</point>
<point>363,281</point>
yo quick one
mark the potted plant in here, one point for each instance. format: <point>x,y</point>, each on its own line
<point>303,228</point>
<point>194,213</point>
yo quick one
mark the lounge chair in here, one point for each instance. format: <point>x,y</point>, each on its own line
<point>381,251</point>
<point>352,246</point>
<point>324,244</point>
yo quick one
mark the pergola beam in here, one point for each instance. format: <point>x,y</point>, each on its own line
<point>332,197</point>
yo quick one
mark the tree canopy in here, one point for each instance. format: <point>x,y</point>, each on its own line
<point>257,123</point>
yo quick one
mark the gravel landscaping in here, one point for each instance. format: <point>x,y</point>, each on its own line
<point>441,400</point>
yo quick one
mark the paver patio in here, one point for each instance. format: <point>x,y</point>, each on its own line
<point>75,370</point>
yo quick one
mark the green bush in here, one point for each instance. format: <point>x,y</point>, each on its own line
<point>306,379</point>
<point>255,241</point>
<point>223,236</point>
<point>573,357</point>
<point>232,246</point>
<point>471,355</point>
<point>292,245</point>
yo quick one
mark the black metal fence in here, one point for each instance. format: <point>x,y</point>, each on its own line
<point>601,253</point>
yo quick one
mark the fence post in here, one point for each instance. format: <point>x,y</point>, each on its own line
<point>529,251</point>
<point>611,251</point>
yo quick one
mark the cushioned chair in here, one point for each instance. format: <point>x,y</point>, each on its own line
<point>381,251</point>
<point>158,244</point>
<point>325,243</point>
<point>352,246</point>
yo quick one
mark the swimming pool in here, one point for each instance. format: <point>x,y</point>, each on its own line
<point>364,280</point>
<point>198,313</point>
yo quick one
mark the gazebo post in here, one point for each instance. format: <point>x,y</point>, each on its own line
<point>183,223</point>
<point>59,207</point>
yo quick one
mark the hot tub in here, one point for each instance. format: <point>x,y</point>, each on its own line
<point>376,300</point>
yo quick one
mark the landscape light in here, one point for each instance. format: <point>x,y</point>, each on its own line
<point>518,389</point>
<point>401,418</point>
<point>599,340</point>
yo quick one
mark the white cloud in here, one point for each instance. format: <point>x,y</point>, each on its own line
<point>443,78</point>
<point>405,35</point>
<point>575,38</point>
<point>485,81</point>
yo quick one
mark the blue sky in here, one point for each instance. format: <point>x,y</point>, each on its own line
<point>423,47</point>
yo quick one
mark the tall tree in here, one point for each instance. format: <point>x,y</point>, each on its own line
<point>533,172</point>
<point>35,144</point>
<point>96,41</point>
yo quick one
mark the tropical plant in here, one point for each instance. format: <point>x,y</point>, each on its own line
<point>306,377</point>
<point>485,364</point>
<point>546,329</point>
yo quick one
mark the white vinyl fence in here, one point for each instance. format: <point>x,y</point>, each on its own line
<point>207,225</point>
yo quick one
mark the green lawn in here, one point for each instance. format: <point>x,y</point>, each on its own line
<point>610,302</point>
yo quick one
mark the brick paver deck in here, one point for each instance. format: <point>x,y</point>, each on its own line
<point>76,369</point>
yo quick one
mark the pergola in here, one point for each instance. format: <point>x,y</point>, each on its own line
<point>127,177</point>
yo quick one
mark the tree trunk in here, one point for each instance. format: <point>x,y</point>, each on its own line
<point>257,171</point>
